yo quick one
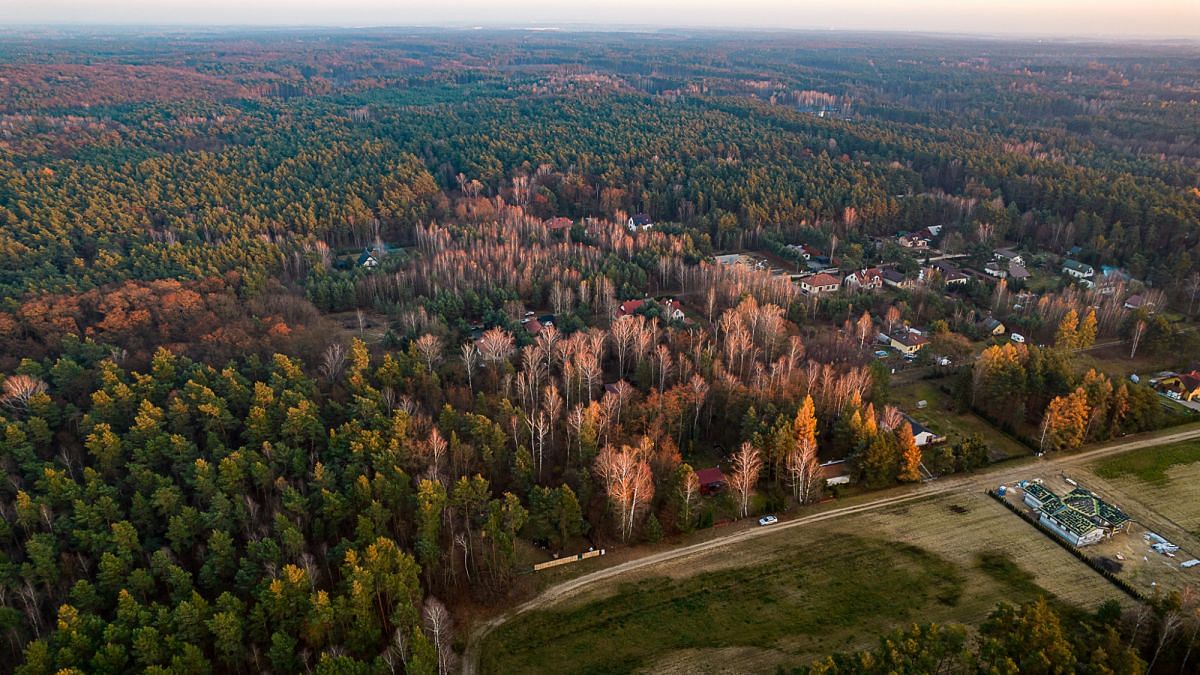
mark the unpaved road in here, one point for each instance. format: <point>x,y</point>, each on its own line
<point>1001,474</point>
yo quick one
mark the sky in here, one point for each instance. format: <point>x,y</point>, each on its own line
<point>1075,18</point>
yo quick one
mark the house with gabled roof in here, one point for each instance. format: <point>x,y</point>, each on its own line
<point>869,279</point>
<point>368,259</point>
<point>922,434</point>
<point>639,221</point>
<point>1078,270</point>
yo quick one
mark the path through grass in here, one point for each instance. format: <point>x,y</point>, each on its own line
<point>845,585</point>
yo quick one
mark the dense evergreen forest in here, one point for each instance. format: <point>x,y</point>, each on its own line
<point>279,393</point>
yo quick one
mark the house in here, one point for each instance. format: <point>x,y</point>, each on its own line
<point>559,224</point>
<point>922,434</point>
<point>628,307</point>
<point>1008,255</point>
<point>870,279</point>
<point>368,259</point>
<point>533,326</point>
<point>992,326</point>
<point>895,279</point>
<point>734,259</point>
<point>1080,517</point>
<point>835,472</point>
<point>1078,270</point>
<point>673,309</point>
<point>1185,385</point>
<point>917,240</point>
<point>639,221</point>
<point>711,480</point>
<point>948,272</point>
<point>993,268</point>
<point>804,251</point>
<point>1136,302</point>
<point>1017,271</point>
<point>820,284</point>
<point>907,341</point>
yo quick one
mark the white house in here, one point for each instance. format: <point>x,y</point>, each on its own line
<point>1008,255</point>
<point>1078,270</point>
<point>639,221</point>
<point>922,434</point>
<point>820,284</point>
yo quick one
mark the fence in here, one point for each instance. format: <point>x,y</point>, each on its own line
<point>568,560</point>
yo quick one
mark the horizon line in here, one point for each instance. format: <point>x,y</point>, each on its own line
<point>582,27</point>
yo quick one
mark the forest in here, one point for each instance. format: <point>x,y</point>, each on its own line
<point>311,340</point>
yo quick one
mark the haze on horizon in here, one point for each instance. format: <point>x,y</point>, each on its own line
<point>1073,18</point>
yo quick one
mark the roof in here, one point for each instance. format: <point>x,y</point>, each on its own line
<point>892,275</point>
<point>821,279</point>
<point>630,306</point>
<point>710,476</point>
<point>1134,301</point>
<point>834,469</point>
<point>992,323</point>
<point>533,326</point>
<point>1007,253</point>
<point>910,339</point>
<point>559,223</point>
<point>641,219</point>
<point>1039,492</point>
<point>1079,511</point>
<point>917,427</point>
<point>1017,271</point>
<point>1093,507</point>
<point>1077,266</point>
<point>365,256</point>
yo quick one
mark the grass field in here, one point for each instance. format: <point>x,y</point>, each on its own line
<point>1149,466</point>
<point>943,418</point>
<point>1160,486</point>
<point>805,592</point>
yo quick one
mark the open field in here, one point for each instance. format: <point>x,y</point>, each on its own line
<point>1150,466</point>
<point>786,599</point>
<point>1160,488</point>
<point>941,416</point>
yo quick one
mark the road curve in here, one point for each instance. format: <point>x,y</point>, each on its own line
<point>997,475</point>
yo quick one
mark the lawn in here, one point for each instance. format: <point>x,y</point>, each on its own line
<point>1150,465</point>
<point>941,416</point>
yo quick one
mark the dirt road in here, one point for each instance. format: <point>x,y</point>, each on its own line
<point>1007,472</point>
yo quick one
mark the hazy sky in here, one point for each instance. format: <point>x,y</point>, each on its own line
<point>1131,18</point>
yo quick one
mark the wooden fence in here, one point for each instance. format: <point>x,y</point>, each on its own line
<point>567,560</point>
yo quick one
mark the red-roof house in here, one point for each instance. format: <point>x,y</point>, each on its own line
<point>559,224</point>
<point>820,284</point>
<point>868,280</point>
<point>629,307</point>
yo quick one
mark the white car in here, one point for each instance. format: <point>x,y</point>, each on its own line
<point>1017,338</point>
<point>768,520</point>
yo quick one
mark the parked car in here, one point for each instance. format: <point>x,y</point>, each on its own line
<point>768,520</point>
<point>943,361</point>
<point>881,354</point>
<point>910,357</point>
<point>1017,338</point>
